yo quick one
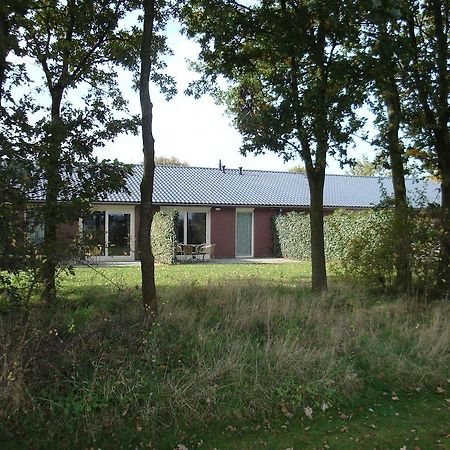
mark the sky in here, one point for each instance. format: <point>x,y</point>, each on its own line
<point>195,131</point>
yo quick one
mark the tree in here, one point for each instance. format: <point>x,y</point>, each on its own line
<point>363,167</point>
<point>170,161</point>
<point>427,27</point>
<point>294,84</point>
<point>297,169</point>
<point>383,43</point>
<point>74,43</point>
<point>10,13</point>
<point>147,259</point>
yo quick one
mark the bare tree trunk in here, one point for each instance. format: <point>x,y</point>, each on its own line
<point>50,162</point>
<point>147,261</point>
<point>391,99</point>
<point>319,273</point>
<point>443,150</point>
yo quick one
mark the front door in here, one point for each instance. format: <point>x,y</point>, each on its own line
<point>244,233</point>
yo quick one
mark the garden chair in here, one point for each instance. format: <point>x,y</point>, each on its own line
<point>179,251</point>
<point>206,250</point>
<point>190,252</point>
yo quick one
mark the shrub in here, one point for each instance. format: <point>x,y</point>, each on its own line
<point>164,237</point>
<point>362,245</point>
<point>292,236</point>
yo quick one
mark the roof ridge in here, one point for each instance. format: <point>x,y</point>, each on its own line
<point>378,177</point>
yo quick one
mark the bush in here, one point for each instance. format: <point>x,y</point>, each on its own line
<point>164,237</point>
<point>362,245</point>
<point>292,236</point>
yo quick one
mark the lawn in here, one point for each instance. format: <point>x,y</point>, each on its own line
<point>242,357</point>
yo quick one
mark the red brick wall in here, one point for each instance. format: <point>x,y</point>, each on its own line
<point>223,224</point>
<point>263,232</point>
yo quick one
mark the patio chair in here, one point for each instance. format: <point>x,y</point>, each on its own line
<point>179,250</point>
<point>190,252</point>
<point>206,250</point>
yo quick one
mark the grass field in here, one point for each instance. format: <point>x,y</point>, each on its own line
<point>242,357</point>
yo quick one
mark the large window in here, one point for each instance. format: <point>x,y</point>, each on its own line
<point>35,226</point>
<point>193,226</point>
<point>196,228</point>
<point>94,233</point>
<point>110,233</point>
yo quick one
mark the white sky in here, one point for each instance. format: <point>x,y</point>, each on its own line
<point>196,131</point>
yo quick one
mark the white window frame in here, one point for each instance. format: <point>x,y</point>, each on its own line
<point>245,210</point>
<point>183,210</point>
<point>114,209</point>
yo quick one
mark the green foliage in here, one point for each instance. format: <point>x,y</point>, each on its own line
<point>362,245</point>
<point>292,236</point>
<point>164,237</point>
<point>170,161</point>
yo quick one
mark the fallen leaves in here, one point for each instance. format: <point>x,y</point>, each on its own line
<point>308,412</point>
<point>285,410</point>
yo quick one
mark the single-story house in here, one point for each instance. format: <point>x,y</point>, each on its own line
<point>231,208</point>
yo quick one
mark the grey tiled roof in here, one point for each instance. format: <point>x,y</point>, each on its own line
<point>205,186</point>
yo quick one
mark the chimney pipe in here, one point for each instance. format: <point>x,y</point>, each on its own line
<point>220,164</point>
<point>240,170</point>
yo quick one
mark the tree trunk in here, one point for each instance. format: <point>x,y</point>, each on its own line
<point>316,181</point>
<point>391,100</point>
<point>443,151</point>
<point>50,162</point>
<point>147,261</point>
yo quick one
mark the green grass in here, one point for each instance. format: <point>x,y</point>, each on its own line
<point>237,354</point>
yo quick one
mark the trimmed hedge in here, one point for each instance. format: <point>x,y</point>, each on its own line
<point>363,245</point>
<point>164,237</point>
<point>292,235</point>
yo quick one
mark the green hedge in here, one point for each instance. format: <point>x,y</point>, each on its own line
<point>164,237</point>
<point>292,235</point>
<point>363,245</point>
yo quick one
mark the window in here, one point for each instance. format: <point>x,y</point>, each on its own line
<point>196,228</point>
<point>35,227</point>
<point>94,233</point>
<point>193,225</point>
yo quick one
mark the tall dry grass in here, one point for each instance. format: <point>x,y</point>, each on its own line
<point>224,352</point>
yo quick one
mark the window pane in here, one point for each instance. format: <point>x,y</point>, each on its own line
<point>196,228</point>
<point>180,227</point>
<point>35,227</point>
<point>94,233</point>
<point>119,234</point>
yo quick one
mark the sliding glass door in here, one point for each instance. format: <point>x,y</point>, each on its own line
<point>109,234</point>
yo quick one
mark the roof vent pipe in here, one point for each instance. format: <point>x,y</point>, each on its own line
<point>240,170</point>
<point>223,168</point>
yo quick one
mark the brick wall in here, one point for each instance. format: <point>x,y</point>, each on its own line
<point>263,232</point>
<point>66,232</point>
<point>223,224</point>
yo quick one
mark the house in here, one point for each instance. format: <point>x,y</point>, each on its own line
<point>231,208</point>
